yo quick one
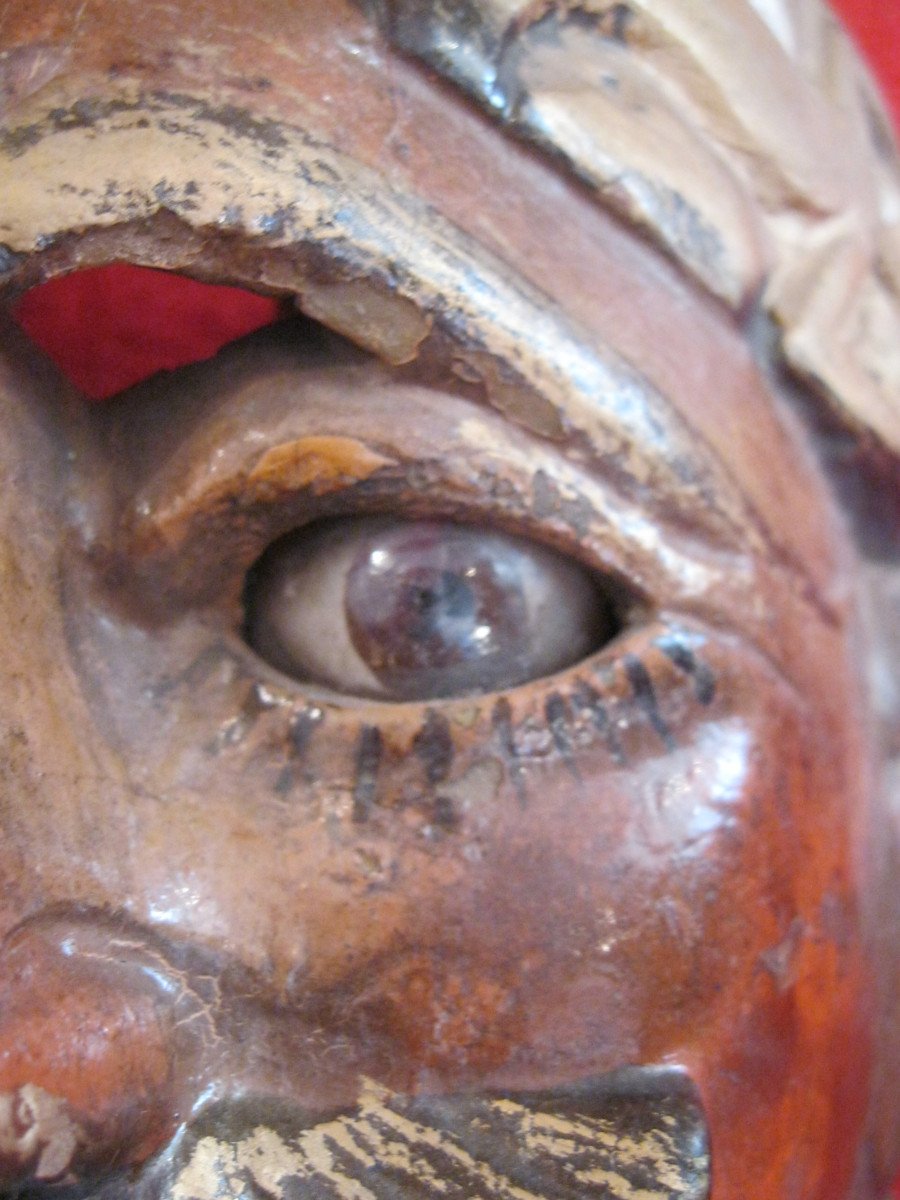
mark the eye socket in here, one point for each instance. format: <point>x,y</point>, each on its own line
<point>417,610</point>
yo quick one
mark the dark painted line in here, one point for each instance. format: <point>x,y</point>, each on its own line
<point>502,721</point>
<point>433,745</point>
<point>368,760</point>
<point>303,726</point>
<point>645,695</point>
<point>557,715</point>
<point>622,18</point>
<point>284,784</point>
<point>684,658</point>
<point>587,699</point>
<point>444,813</point>
<point>300,729</point>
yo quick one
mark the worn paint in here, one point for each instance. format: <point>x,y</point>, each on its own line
<point>320,462</point>
<point>541,1147</point>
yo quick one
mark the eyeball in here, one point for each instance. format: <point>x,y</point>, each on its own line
<point>420,610</point>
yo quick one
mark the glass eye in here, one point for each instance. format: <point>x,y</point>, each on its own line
<point>418,610</point>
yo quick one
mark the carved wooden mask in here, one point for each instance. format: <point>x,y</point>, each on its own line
<point>440,755</point>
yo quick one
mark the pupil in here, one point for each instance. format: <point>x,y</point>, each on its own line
<point>446,610</point>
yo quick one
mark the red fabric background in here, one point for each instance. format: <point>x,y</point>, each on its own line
<point>110,329</point>
<point>876,26</point>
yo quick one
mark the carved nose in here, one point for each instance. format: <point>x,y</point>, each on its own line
<point>88,1045</point>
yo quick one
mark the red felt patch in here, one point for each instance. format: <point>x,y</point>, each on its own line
<point>107,328</point>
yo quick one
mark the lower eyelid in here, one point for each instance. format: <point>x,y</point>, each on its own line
<point>364,760</point>
<point>323,753</point>
<point>690,672</point>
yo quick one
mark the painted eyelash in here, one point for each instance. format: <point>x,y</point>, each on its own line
<point>607,704</point>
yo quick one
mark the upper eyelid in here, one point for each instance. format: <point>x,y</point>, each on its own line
<point>239,450</point>
<point>158,420</point>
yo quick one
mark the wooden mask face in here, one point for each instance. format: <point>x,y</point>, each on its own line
<point>438,753</point>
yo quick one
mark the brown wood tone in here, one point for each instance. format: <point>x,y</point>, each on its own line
<point>616,279</point>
